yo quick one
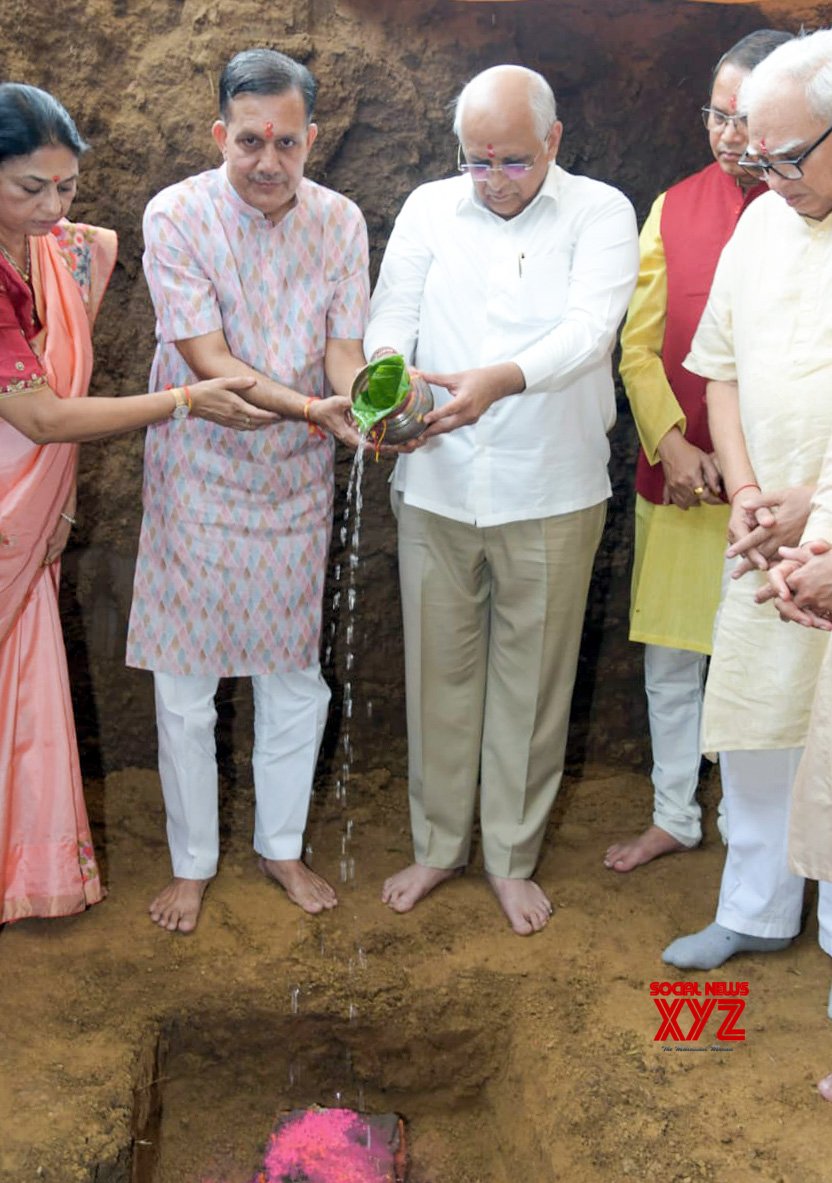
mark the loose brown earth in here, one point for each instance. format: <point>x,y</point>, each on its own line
<point>125,1050</point>
<point>513,1059</point>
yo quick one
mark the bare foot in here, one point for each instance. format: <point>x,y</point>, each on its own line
<point>526,905</point>
<point>303,887</point>
<point>825,1088</point>
<point>402,891</point>
<point>177,906</point>
<point>626,856</point>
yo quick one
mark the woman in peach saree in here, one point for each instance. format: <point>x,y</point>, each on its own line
<point>53,275</point>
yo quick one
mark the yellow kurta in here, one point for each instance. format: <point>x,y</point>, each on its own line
<point>679,553</point>
<point>768,326</point>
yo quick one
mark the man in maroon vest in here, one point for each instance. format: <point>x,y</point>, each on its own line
<point>681,517</point>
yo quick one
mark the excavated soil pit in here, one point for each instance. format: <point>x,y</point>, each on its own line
<point>210,1086</point>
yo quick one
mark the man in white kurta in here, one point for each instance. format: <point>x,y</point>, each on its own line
<point>506,286</point>
<point>765,344</point>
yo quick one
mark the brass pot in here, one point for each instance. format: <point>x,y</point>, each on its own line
<point>404,422</point>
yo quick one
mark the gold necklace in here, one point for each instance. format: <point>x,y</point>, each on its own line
<point>24,272</point>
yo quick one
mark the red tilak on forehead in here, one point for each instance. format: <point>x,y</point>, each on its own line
<point>763,144</point>
<point>56,179</point>
<point>733,102</point>
<point>490,150</point>
<point>269,131</point>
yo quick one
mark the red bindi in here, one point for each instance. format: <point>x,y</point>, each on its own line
<point>490,150</point>
<point>270,131</point>
<point>56,179</point>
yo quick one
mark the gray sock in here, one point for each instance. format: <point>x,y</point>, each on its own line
<point>713,945</point>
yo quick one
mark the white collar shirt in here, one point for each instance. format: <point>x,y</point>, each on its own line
<point>461,288</point>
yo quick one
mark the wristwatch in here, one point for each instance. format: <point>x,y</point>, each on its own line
<point>181,404</point>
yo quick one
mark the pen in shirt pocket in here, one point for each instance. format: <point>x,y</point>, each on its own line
<point>520,259</point>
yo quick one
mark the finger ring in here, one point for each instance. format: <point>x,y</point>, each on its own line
<point>248,420</point>
<point>699,490</point>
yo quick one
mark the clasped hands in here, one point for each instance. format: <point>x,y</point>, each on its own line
<point>761,523</point>
<point>691,476</point>
<point>764,528</point>
<point>801,585</point>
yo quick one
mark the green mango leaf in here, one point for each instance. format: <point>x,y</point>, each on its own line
<point>388,383</point>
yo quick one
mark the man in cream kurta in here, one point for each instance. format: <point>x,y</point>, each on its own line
<point>801,586</point>
<point>506,286</point>
<point>765,345</point>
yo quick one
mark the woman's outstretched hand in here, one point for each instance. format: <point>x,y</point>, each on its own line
<point>223,401</point>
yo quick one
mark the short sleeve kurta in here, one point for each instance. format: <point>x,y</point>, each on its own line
<point>767,326</point>
<point>236,526</point>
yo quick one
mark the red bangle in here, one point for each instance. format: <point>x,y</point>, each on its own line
<point>749,485</point>
<point>187,393</point>
<point>314,429</point>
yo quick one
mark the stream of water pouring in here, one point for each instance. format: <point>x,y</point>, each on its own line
<point>344,601</point>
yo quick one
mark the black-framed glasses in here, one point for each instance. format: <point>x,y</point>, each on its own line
<point>716,120</point>
<point>787,170</point>
<point>514,171</point>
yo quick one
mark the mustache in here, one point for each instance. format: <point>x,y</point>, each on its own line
<point>266,178</point>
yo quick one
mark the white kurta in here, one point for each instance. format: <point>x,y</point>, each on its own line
<point>768,326</point>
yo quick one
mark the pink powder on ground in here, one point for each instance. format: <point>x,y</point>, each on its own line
<point>327,1147</point>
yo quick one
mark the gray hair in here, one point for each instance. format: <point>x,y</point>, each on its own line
<point>541,98</point>
<point>807,61</point>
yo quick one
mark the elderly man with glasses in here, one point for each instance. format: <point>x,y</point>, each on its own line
<point>680,511</point>
<point>506,286</point>
<point>765,346</point>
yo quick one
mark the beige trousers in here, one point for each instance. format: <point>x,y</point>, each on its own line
<point>492,627</point>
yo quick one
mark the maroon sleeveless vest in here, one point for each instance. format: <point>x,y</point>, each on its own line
<point>698,217</point>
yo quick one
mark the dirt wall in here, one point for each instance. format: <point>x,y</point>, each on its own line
<point>140,78</point>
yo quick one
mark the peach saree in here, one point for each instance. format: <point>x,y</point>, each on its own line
<point>47,864</point>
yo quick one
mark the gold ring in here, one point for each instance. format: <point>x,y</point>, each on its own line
<point>248,420</point>
<point>699,490</point>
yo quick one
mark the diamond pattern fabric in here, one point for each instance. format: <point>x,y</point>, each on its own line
<point>236,526</point>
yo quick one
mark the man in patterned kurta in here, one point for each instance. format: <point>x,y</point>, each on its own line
<point>253,270</point>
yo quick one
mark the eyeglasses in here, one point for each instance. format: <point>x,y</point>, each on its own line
<point>787,170</point>
<point>715,120</point>
<point>514,171</point>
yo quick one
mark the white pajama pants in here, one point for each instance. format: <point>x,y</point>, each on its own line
<point>674,680</point>
<point>759,895</point>
<point>290,712</point>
